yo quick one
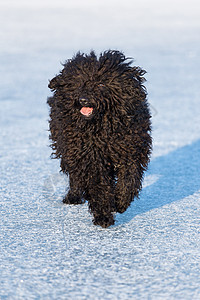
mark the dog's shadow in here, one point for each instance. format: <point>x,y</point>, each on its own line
<point>170,178</point>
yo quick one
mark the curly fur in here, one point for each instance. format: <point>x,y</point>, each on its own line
<point>106,152</point>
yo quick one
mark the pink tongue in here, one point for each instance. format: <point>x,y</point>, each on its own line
<point>86,111</point>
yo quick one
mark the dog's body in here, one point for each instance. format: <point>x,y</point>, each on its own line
<point>100,128</point>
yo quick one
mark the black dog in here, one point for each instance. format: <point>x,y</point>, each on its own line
<point>100,129</point>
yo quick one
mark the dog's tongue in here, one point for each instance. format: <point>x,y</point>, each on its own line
<point>86,111</point>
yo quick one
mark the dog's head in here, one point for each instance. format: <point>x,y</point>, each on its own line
<point>89,87</point>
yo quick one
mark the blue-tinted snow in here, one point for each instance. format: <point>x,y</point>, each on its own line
<point>51,251</point>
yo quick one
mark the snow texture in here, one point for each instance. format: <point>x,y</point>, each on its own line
<point>53,251</point>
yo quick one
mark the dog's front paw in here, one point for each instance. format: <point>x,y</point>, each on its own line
<point>72,199</point>
<point>104,221</point>
<point>120,208</point>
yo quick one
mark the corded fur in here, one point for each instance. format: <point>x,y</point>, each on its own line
<point>105,154</point>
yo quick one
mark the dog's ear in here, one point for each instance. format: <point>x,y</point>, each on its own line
<point>138,74</point>
<point>56,82</point>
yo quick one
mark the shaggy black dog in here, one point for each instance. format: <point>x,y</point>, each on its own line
<point>100,129</point>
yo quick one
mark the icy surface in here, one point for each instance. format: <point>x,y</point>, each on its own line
<point>52,251</point>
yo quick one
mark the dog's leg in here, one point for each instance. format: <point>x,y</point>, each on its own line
<point>101,204</point>
<point>128,186</point>
<point>74,195</point>
<point>103,216</point>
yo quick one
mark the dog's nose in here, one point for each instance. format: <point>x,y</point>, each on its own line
<point>84,101</point>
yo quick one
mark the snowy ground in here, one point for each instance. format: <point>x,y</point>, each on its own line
<point>51,251</point>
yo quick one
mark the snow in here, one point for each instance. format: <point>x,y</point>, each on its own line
<point>52,251</point>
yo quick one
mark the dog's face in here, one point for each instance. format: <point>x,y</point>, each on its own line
<point>89,87</point>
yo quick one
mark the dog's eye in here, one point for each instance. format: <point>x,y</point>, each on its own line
<point>101,85</point>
